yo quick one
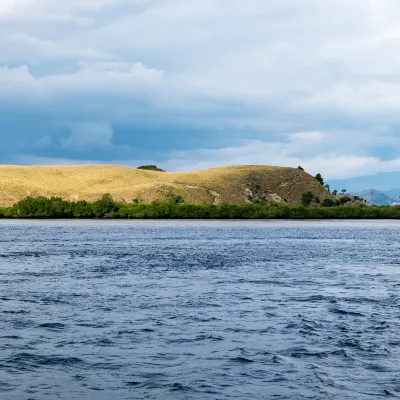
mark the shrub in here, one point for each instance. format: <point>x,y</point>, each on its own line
<point>328,203</point>
<point>319,178</point>
<point>307,198</point>
<point>151,168</point>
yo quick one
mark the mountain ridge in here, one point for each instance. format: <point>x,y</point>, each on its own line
<point>376,197</point>
<point>383,181</point>
<point>240,184</point>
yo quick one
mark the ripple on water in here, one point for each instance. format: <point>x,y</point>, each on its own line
<point>199,310</point>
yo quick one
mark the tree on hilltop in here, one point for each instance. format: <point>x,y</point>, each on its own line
<point>320,179</point>
<point>150,168</point>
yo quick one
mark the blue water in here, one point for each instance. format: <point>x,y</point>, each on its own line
<point>199,310</point>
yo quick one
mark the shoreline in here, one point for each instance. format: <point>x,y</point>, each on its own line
<point>199,219</point>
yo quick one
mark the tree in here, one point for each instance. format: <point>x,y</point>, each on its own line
<point>307,198</point>
<point>319,178</point>
<point>172,198</point>
<point>344,191</point>
<point>107,200</point>
<point>327,187</point>
<point>335,192</point>
<point>328,203</point>
<point>151,168</point>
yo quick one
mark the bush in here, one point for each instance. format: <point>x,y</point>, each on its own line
<point>172,198</point>
<point>307,198</point>
<point>151,168</point>
<point>328,203</point>
<point>319,178</point>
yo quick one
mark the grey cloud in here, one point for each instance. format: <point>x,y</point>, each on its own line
<point>233,72</point>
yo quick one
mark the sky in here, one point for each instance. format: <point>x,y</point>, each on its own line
<point>202,83</point>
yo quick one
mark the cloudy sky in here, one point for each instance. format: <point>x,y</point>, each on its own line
<point>202,83</point>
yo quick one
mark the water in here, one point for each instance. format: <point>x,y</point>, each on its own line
<point>199,310</point>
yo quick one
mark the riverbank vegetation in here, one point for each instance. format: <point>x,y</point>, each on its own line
<point>172,207</point>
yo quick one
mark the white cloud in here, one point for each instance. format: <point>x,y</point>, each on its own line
<point>296,54</point>
<point>321,74</point>
<point>313,136</point>
<point>332,164</point>
<point>91,78</point>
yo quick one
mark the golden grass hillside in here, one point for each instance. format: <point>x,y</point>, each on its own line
<point>235,185</point>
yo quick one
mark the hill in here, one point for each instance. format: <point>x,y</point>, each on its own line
<point>233,185</point>
<point>376,197</point>
<point>394,194</point>
<point>384,181</point>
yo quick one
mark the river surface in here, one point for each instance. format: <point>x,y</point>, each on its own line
<point>199,310</point>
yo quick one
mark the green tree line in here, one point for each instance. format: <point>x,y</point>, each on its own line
<point>172,207</point>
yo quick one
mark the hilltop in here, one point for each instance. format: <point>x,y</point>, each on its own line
<point>233,185</point>
<point>376,197</point>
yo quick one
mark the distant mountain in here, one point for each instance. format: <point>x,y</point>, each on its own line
<point>395,194</point>
<point>376,197</point>
<point>385,181</point>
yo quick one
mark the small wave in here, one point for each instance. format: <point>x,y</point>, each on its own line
<point>204,319</point>
<point>12,337</point>
<point>23,324</point>
<point>178,387</point>
<point>377,368</point>
<point>133,383</point>
<point>302,352</point>
<point>53,300</point>
<point>104,342</point>
<point>352,343</point>
<point>16,312</point>
<point>199,338</point>
<point>28,361</point>
<point>242,360</point>
<point>380,326</point>
<point>340,311</point>
<point>95,325</point>
<point>54,326</point>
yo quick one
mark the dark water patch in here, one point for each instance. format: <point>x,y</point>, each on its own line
<point>133,383</point>
<point>12,337</point>
<point>28,361</point>
<point>53,326</point>
<point>16,312</point>
<point>341,311</point>
<point>242,360</point>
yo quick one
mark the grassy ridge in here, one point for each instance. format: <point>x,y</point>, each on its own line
<point>232,185</point>
<point>108,208</point>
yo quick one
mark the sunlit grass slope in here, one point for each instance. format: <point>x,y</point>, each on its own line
<point>234,185</point>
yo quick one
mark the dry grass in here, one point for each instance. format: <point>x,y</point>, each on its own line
<point>236,185</point>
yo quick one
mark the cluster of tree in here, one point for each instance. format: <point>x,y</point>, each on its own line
<point>150,168</point>
<point>55,207</point>
<point>308,199</point>
<point>320,179</point>
<point>173,207</point>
